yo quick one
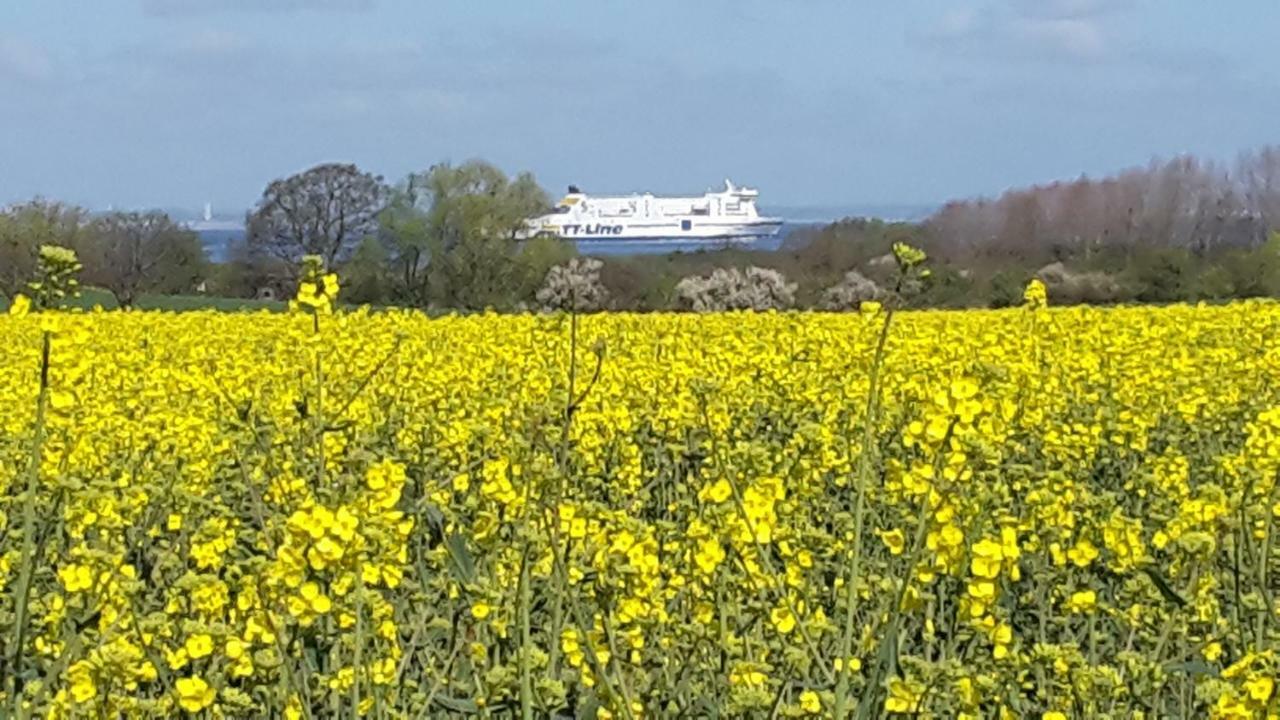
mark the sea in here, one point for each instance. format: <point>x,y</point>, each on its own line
<point>218,241</point>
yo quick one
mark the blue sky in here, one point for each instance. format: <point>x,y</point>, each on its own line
<point>143,103</point>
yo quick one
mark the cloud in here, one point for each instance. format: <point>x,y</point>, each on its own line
<point>956,23</point>
<point>1076,37</point>
<point>180,8</point>
<point>1077,28</point>
<point>348,79</point>
<point>212,42</point>
<point>1069,9</point>
<point>1090,39</point>
<point>24,61</point>
<point>1074,30</point>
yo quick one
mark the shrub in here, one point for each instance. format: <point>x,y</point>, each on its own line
<point>1162,275</point>
<point>734,289</point>
<point>574,286</point>
<point>850,292</point>
<point>1070,288</point>
<point>1005,290</point>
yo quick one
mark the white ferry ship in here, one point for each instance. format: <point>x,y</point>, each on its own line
<point>728,216</point>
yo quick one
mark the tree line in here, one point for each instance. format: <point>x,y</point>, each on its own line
<point>1180,203</point>
<point>1181,229</point>
<point>1175,230</point>
<point>126,253</point>
<point>447,238</point>
<point>444,237</point>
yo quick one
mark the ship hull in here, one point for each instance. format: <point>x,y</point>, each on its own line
<point>675,230</point>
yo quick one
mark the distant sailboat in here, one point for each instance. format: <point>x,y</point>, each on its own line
<point>207,222</point>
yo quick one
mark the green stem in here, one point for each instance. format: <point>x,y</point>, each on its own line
<point>560,564</point>
<point>616,659</point>
<point>1268,605</point>
<point>891,638</point>
<point>23,589</point>
<point>526,679</point>
<point>864,472</point>
<point>772,576</point>
<point>557,626</point>
<point>359,640</point>
<point>317,416</point>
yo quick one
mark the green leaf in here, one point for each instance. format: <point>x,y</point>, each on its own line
<point>1163,586</point>
<point>464,566</point>
<point>1193,667</point>
<point>588,708</point>
<point>462,705</point>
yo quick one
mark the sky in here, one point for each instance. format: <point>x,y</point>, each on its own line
<point>172,103</point>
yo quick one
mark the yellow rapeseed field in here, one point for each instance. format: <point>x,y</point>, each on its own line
<point>1044,513</point>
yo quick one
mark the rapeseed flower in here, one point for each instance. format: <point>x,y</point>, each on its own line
<point>1059,511</point>
<point>194,694</point>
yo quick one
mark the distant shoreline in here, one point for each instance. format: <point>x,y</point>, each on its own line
<point>217,235</point>
<point>217,242</point>
<point>215,226</point>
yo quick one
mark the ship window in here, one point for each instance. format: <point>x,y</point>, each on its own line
<point>686,224</point>
<point>561,209</point>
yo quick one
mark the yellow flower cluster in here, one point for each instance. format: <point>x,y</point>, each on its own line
<point>317,289</point>
<point>1064,513</point>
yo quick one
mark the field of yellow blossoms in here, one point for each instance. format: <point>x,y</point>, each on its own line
<point>1044,513</point>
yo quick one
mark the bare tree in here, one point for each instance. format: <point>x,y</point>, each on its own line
<point>1259,174</point>
<point>326,211</point>
<point>1023,231</point>
<point>1183,203</point>
<point>133,253</point>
